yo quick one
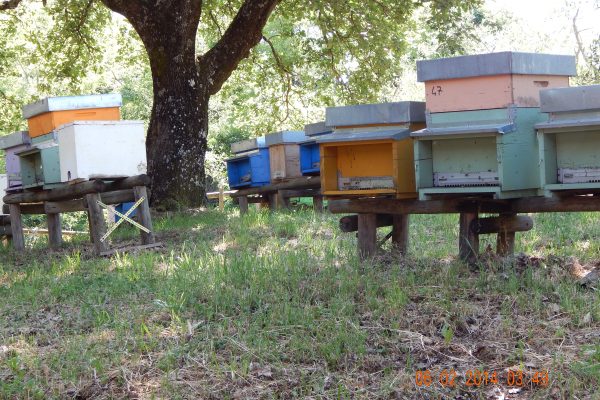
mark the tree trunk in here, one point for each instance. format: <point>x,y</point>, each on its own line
<point>176,142</point>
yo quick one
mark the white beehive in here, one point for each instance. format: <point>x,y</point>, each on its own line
<point>101,149</point>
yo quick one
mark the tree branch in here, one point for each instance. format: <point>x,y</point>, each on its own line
<point>9,4</point>
<point>244,32</point>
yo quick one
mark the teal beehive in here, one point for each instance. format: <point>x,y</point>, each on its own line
<point>489,152</point>
<point>40,164</point>
<point>569,141</point>
<point>486,145</point>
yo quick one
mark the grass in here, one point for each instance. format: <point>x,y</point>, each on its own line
<point>278,306</point>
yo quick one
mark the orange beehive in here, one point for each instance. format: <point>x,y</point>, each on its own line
<point>490,81</point>
<point>46,115</point>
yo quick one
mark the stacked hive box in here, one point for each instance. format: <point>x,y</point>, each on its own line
<point>47,114</point>
<point>249,167</point>
<point>65,149</point>
<point>284,154</point>
<point>370,151</point>
<point>569,142</point>
<point>481,112</point>
<point>13,144</point>
<point>310,156</point>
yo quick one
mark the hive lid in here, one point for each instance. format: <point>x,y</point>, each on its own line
<point>573,123</point>
<point>502,63</point>
<point>285,137</point>
<point>369,114</point>
<point>359,135</point>
<point>72,103</point>
<point>248,144</point>
<point>318,128</point>
<point>243,155</point>
<point>97,123</point>
<point>14,139</point>
<point>570,99</point>
<point>465,130</point>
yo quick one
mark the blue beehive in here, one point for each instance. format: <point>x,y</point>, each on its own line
<point>123,208</point>
<point>310,156</point>
<point>249,167</point>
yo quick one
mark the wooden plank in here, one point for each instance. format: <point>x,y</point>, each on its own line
<point>117,197</point>
<point>128,183</point>
<point>131,248</point>
<point>400,233</point>
<point>144,216</point>
<point>468,241</point>
<point>243,202</point>
<point>304,182</point>
<point>503,223</point>
<point>97,223</point>
<point>60,193</point>
<point>16,224</point>
<point>466,204</point>
<point>54,230</point>
<point>367,235</point>
<point>318,203</point>
<point>57,207</point>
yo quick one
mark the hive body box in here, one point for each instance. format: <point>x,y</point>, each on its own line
<point>482,140</point>
<point>284,154</point>
<point>569,142</point>
<point>40,164</point>
<point>310,156</point>
<point>13,144</point>
<point>46,115</point>
<point>370,152</point>
<point>101,149</point>
<point>478,152</point>
<point>250,166</point>
<point>489,81</point>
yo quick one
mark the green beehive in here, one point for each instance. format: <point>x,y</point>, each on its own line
<point>483,152</point>
<point>569,142</point>
<point>40,164</point>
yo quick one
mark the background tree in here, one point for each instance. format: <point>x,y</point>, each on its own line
<point>194,46</point>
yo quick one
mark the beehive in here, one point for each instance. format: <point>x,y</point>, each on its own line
<point>490,152</point>
<point>284,154</point>
<point>13,144</point>
<point>101,149</point>
<point>47,114</point>
<point>569,142</point>
<point>370,152</point>
<point>490,81</point>
<point>310,156</point>
<point>482,140</point>
<point>40,163</point>
<point>249,167</point>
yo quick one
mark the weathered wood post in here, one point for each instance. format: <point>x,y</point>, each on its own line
<point>367,235</point>
<point>97,223</point>
<point>505,242</point>
<point>318,203</point>
<point>54,230</point>
<point>400,233</point>
<point>144,215</point>
<point>16,224</point>
<point>468,241</point>
<point>243,203</point>
<point>221,198</point>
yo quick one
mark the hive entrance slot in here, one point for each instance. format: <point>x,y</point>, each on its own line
<point>579,175</point>
<point>365,182</point>
<point>455,179</point>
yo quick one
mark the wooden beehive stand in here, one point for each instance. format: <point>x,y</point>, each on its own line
<point>277,195</point>
<point>380,212</point>
<point>82,196</point>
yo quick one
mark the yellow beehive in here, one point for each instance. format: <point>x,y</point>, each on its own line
<point>370,152</point>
